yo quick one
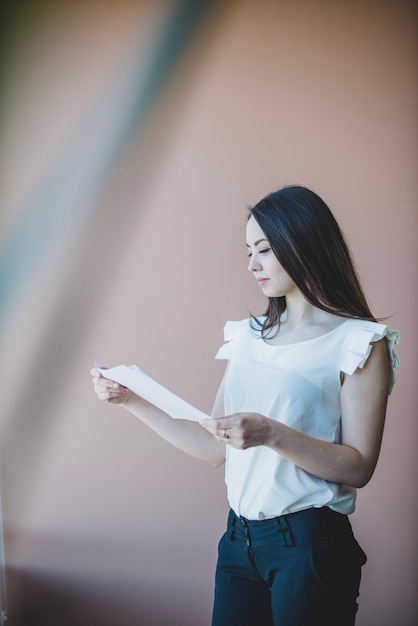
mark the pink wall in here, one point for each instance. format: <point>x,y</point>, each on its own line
<point>103,521</point>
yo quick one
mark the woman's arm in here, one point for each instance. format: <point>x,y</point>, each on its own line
<point>188,436</point>
<point>363,408</point>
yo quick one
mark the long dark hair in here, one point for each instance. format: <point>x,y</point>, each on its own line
<point>308,243</point>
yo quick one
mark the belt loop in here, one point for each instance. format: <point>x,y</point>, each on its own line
<point>231,524</point>
<point>285,531</point>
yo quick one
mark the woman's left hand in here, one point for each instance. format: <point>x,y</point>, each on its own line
<point>241,430</point>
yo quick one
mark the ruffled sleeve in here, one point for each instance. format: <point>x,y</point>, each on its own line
<point>232,330</point>
<point>359,347</point>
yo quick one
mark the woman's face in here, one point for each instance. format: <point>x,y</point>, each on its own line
<point>268,272</point>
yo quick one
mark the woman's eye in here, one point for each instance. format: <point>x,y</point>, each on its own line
<point>263,251</point>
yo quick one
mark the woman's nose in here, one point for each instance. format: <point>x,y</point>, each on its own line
<point>253,265</point>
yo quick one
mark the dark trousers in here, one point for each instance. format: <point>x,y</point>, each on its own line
<point>301,569</point>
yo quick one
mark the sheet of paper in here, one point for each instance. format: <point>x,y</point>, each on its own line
<point>140,383</point>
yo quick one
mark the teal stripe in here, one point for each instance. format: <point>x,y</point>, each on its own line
<point>65,198</point>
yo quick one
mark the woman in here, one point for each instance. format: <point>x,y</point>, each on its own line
<point>298,419</point>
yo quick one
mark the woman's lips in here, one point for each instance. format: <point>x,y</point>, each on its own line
<point>262,281</point>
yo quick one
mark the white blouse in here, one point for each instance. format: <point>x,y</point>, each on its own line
<point>299,385</point>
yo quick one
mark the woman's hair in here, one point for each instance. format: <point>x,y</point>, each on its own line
<point>308,243</point>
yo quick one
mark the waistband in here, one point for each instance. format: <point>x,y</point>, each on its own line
<point>306,526</point>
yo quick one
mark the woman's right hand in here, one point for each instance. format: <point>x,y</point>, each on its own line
<point>108,390</point>
<point>188,436</point>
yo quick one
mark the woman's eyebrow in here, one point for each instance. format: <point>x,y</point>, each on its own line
<point>256,242</point>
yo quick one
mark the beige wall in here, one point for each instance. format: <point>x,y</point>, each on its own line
<point>102,520</point>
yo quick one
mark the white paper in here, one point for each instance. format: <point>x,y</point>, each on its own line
<point>140,383</point>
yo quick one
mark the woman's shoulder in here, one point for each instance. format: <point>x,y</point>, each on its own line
<point>358,343</point>
<point>365,331</point>
<point>236,328</point>
<point>233,331</point>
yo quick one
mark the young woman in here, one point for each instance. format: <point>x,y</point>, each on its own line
<point>298,419</point>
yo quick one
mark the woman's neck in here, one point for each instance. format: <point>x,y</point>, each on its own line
<point>299,312</point>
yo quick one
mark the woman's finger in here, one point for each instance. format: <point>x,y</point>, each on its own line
<point>220,427</point>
